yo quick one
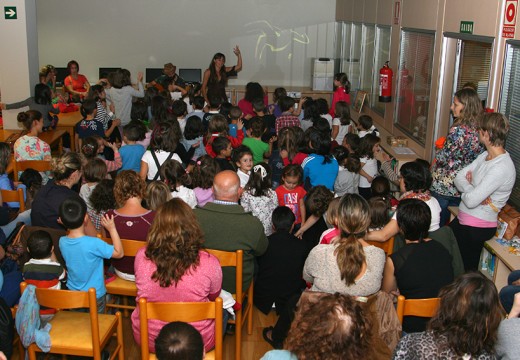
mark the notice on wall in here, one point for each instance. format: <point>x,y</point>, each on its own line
<point>397,12</point>
<point>508,30</point>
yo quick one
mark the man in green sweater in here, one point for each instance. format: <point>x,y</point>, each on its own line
<point>228,227</point>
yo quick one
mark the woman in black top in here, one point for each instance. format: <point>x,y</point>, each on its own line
<point>421,268</point>
<point>215,77</point>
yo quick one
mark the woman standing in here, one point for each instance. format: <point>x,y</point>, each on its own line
<point>460,148</point>
<point>173,268</point>
<point>76,84</point>
<point>485,186</point>
<point>215,77</point>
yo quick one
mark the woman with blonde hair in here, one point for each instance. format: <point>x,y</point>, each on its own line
<point>174,268</point>
<point>157,193</point>
<point>132,220</point>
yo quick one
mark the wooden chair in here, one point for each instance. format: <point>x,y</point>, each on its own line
<point>416,307</point>
<point>235,259</point>
<point>14,196</point>
<point>38,165</point>
<point>387,246</point>
<point>181,311</point>
<point>16,341</point>
<point>78,333</point>
<point>119,286</point>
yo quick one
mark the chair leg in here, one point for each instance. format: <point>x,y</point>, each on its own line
<point>120,341</point>
<point>238,335</point>
<point>32,352</point>
<point>125,302</point>
<point>250,314</point>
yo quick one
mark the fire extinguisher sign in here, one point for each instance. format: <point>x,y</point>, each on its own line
<point>508,30</point>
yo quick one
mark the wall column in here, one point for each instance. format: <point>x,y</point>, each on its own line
<point>19,64</point>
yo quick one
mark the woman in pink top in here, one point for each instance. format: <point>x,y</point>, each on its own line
<point>174,268</point>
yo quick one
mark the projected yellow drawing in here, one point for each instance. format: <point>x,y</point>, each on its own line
<point>275,38</point>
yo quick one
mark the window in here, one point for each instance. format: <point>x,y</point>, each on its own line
<point>346,29</point>
<point>367,58</point>
<point>352,54</point>
<point>510,106</point>
<point>382,54</point>
<point>474,65</point>
<point>414,82</point>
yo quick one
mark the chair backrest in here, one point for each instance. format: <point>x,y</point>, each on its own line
<point>67,299</point>
<point>38,165</point>
<point>14,196</point>
<point>235,259</point>
<point>387,246</point>
<point>180,311</point>
<point>417,307</point>
<point>130,247</point>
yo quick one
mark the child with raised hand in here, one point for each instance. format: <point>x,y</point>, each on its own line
<point>132,152</point>
<point>347,181</point>
<point>193,133</point>
<point>329,235</point>
<point>164,141</point>
<point>177,178</point>
<point>93,172</point>
<point>102,200</point>
<point>259,148</point>
<point>218,126</point>
<point>243,159</point>
<point>342,123</point>
<point>366,126</point>
<point>258,197</point>
<point>203,172</point>
<point>368,146</point>
<point>94,146</point>
<point>84,254</point>
<point>291,193</point>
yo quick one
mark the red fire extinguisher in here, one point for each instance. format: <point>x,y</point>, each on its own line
<point>385,83</point>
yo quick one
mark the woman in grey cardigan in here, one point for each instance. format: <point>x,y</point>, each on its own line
<point>485,186</point>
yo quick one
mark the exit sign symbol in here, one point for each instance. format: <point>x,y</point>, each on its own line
<point>10,13</point>
<point>466,27</point>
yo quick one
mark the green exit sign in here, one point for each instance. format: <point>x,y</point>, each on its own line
<point>466,27</point>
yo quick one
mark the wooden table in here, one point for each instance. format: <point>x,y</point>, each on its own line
<point>50,137</point>
<point>67,122</point>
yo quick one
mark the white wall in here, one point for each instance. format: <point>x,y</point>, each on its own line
<point>278,38</point>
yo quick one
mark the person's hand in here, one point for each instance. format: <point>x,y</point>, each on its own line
<point>116,122</point>
<point>2,356</point>
<point>299,234</point>
<point>2,106</point>
<point>303,99</point>
<point>112,108</point>
<point>240,124</point>
<point>382,156</point>
<point>236,50</point>
<point>272,139</point>
<point>515,309</point>
<point>108,222</point>
<point>196,145</point>
<point>139,76</point>
<point>469,177</point>
<point>113,146</point>
<point>370,179</point>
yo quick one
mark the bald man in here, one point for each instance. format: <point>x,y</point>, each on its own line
<point>228,227</point>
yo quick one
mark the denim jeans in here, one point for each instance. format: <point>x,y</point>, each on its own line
<point>444,202</point>
<point>507,293</point>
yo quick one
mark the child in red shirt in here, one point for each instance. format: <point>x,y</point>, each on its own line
<point>291,193</point>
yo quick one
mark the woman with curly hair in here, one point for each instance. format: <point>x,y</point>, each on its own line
<point>465,326</point>
<point>337,324</point>
<point>174,267</point>
<point>132,220</point>
<point>215,77</point>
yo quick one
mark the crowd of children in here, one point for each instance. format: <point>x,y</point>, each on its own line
<point>294,162</point>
